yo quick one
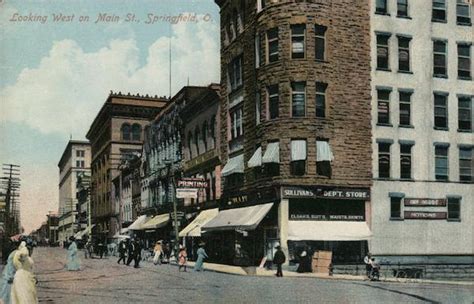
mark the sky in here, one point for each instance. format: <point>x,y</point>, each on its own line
<point>56,75</point>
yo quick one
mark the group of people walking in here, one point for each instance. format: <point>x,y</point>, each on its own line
<point>130,250</point>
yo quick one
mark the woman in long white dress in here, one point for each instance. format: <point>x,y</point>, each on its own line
<point>72,258</point>
<point>24,283</point>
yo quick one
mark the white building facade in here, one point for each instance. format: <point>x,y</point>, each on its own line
<point>422,118</point>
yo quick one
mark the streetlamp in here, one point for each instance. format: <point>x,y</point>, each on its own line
<point>169,164</point>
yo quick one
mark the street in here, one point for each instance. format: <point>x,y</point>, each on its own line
<point>104,281</point>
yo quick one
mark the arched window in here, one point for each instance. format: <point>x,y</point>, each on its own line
<point>136,132</point>
<point>204,134</point>
<point>235,23</point>
<point>212,130</point>
<point>125,130</point>
<point>190,144</point>
<point>197,139</point>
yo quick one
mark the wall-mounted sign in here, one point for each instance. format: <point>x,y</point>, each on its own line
<point>425,202</point>
<point>248,198</point>
<point>192,183</point>
<point>186,193</point>
<point>422,215</point>
<point>326,217</point>
<point>326,192</point>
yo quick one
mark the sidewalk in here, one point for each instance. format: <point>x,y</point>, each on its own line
<point>255,271</point>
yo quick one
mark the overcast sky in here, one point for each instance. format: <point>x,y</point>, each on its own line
<point>55,76</point>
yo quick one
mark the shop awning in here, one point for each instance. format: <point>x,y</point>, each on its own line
<point>328,231</point>
<point>156,222</point>
<point>246,218</point>
<point>256,159</point>
<point>138,223</point>
<point>234,165</point>
<point>272,154</point>
<point>194,228</point>
<point>79,235</point>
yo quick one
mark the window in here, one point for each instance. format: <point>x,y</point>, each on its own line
<point>298,157</point>
<point>405,108</point>
<point>257,50</point>
<point>204,134</point>
<point>465,164</point>
<point>258,107</point>
<point>439,58</point>
<point>321,99</point>
<point>79,153</point>
<point>464,113</point>
<point>441,111</point>
<point>272,45</point>
<point>213,131</point>
<point>382,51</point>
<point>79,163</point>
<point>439,10</point>
<point>395,207</point>
<point>125,131</point>
<point>197,139</point>
<point>381,6</point>
<point>236,123</point>
<point>441,162</point>
<point>405,161</point>
<point>190,144</point>
<point>298,40</point>
<point>273,101</point>
<point>324,157</point>
<point>464,61</point>
<point>383,106</point>
<point>136,132</point>
<point>463,12</point>
<point>404,53</point>
<point>384,160</point>
<point>402,8</point>
<point>298,99</point>
<point>454,208</point>
<point>320,41</point>
<point>235,73</point>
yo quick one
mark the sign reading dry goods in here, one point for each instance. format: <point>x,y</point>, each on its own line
<point>421,215</point>
<point>426,202</point>
<point>330,193</point>
<point>192,183</point>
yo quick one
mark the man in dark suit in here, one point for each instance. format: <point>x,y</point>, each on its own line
<point>131,251</point>
<point>122,249</point>
<point>278,259</point>
<point>134,252</point>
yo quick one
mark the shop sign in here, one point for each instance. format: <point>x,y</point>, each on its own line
<point>425,202</point>
<point>239,198</point>
<point>326,217</point>
<point>421,215</point>
<point>186,193</point>
<point>192,183</point>
<point>331,193</point>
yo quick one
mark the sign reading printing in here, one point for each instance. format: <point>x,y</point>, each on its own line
<point>326,192</point>
<point>192,183</point>
<point>425,202</point>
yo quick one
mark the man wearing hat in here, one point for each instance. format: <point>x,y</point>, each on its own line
<point>278,259</point>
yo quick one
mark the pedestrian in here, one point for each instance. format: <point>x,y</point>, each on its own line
<point>24,283</point>
<point>278,259</point>
<point>88,250</point>
<point>305,263</point>
<point>158,250</point>
<point>368,266</point>
<point>72,258</point>
<point>122,249</point>
<point>201,253</point>
<point>134,253</point>
<point>182,258</point>
<point>7,277</point>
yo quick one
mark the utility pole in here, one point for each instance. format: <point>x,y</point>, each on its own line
<point>10,184</point>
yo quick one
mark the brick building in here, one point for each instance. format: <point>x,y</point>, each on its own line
<point>296,129</point>
<point>115,135</point>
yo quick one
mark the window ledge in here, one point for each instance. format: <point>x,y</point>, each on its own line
<point>396,219</point>
<point>464,131</point>
<point>439,20</point>
<point>440,76</point>
<point>453,220</point>
<point>384,124</point>
<point>463,23</point>
<point>382,13</point>
<point>466,182</point>
<point>442,180</point>
<point>383,179</point>
<point>406,126</point>
<point>383,69</point>
<point>464,78</point>
<point>441,129</point>
<point>403,17</point>
<point>404,72</point>
<point>407,179</point>
<point>321,60</point>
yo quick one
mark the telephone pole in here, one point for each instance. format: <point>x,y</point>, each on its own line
<point>10,187</point>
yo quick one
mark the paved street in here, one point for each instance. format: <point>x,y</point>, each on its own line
<point>104,281</point>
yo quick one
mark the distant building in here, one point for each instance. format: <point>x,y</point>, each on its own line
<point>75,161</point>
<point>115,135</point>
<point>53,228</point>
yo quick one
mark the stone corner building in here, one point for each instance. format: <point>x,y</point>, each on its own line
<point>296,128</point>
<point>115,134</point>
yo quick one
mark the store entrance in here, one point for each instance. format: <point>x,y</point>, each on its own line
<point>343,252</point>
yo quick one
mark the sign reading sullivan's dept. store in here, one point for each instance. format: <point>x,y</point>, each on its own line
<point>326,192</point>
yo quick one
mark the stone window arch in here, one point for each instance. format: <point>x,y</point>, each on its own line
<point>125,131</point>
